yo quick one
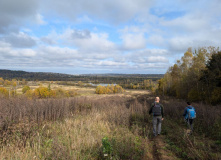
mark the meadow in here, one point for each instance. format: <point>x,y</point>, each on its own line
<point>104,126</point>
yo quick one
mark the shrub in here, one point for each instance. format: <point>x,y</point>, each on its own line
<point>41,92</point>
<point>4,91</point>
<point>109,89</point>
<point>29,93</point>
<point>25,89</point>
<point>60,92</point>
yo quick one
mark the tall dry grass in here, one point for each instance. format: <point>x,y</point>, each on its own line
<point>73,128</point>
<point>70,128</point>
<point>205,141</point>
<point>208,117</point>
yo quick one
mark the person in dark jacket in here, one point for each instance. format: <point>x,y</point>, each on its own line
<point>157,110</point>
<point>188,120</point>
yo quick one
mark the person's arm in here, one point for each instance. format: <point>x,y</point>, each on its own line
<point>162,110</point>
<point>184,113</point>
<point>150,111</point>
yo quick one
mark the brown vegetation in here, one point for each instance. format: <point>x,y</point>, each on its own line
<point>113,126</point>
<point>70,128</point>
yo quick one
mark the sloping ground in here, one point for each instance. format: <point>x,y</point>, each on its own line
<point>80,129</point>
<point>160,151</point>
<point>185,146</point>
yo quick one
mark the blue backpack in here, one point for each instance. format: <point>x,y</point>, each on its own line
<point>191,113</point>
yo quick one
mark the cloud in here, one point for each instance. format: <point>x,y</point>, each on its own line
<point>20,40</point>
<point>122,35</point>
<point>133,41</point>
<point>7,52</point>
<point>14,13</point>
<point>189,23</point>
<point>48,41</point>
<point>87,41</point>
<point>109,10</point>
<point>81,34</point>
<point>40,19</point>
<point>157,40</point>
<point>157,59</point>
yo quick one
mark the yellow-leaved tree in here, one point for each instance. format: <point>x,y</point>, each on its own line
<point>4,92</point>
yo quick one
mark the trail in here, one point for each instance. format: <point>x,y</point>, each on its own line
<point>157,150</point>
<point>160,151</point>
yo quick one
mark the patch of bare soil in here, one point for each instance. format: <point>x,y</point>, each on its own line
<point>160,151</point>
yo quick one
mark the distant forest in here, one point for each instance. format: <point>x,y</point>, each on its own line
<point>95,78</point>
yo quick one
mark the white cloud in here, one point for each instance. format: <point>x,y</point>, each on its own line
<point>109,10</point>
<point>40,19</point>
<point>156,59</point>
<point>157,40</point>
<point>6,51</point>
<point>126,35</point>
<point>133,41</point>
<point>87,41</point>
<point>84,19</point>
<point>189,23</point>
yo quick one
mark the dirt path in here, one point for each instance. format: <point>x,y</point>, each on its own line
<point>157,150</point>
<point>160,151</point>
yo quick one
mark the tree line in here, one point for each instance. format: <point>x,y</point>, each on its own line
<point>195,77</point>
<point>94,78</point>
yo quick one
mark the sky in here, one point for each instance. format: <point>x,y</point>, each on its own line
<point>104,36</point>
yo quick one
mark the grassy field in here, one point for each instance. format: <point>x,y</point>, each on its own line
<point>110,126</point>
<point>81,91</point>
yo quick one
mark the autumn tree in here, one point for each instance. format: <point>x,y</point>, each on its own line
<point>4,92</point>
<point>211,79</point>
<point>182,80</point>
<point>109,89</point>
<point>118,89</point>
<point>41,92</point>
<point>100,89</point>
<point>7,82</point>
<point>1,81</point>
<point>25,89</point>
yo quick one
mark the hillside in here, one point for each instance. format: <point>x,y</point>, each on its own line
<point>104,127</point>
<point>48,76</point>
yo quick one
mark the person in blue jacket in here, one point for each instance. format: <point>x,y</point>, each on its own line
<point>189,115</point>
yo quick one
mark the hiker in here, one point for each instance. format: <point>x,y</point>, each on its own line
<point>189,115</point>
<point>157,110</point>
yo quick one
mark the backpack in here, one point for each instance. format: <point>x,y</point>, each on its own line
<point>156,110</point>
<point>191,113</point>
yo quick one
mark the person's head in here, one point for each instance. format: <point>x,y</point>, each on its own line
<point>157,99</point>
<point>188,103</point>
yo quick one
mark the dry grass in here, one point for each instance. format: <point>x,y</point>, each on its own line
<point>73,128</point>
<point>203,143</point>
<point>81,91</point>
<point>70,128</point>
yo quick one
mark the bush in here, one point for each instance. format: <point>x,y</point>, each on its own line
<point>41,92</point>
<point>109,89</point>
<point>216,95</point>
<point>193,95</point>
<point>25,89</point>
<point>4,91</point>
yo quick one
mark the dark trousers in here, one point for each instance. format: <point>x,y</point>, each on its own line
<point>190,124</point>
